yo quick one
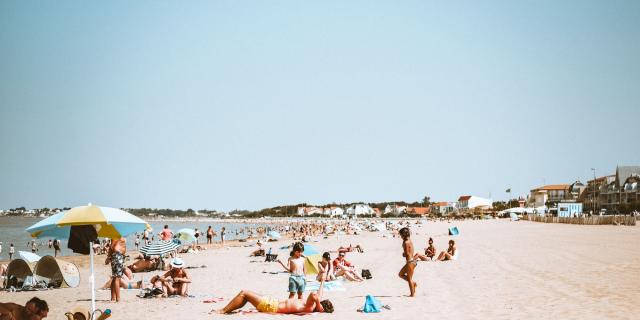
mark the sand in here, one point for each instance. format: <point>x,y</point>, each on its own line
<point>506,270</point>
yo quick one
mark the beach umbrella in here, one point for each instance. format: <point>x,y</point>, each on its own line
<point>28,256</point>
<point>83,225</point>
<point>274,234</point>
<point>186,235</point>
<point>310,250</point>
<point>159,248</point>
<point>311,264</point>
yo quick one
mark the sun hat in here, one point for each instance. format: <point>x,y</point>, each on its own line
<point>177,263</point>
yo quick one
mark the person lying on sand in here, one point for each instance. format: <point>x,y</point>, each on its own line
<point>259,252</point>
<point>272,305</point>
<point>351,248</point>
<point>450,254</point>
<point>145,263</point>
<point>344,268</point>
<point>175,281</point>
<point>125,282</point>
<point>34,309</point>
<point>429,252</point>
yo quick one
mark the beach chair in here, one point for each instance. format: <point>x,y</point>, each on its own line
<point>271,257</point>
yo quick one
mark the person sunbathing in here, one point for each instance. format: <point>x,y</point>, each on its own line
<point>175,281</point>
<point>145,263</point>
<point>429,252</point>
<point>34,309</point>
<point>272,305</point>
<point>450,254</point>
<point>125,282</point>
<point>350,248</point>
<point>344,268</point>
<point>259,252</point>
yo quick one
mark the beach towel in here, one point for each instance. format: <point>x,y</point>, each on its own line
<point>335,285</point>
<point>371,304</point>
<point>453,231</point>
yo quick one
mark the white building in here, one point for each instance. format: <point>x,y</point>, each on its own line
<point>472,202</point>
<point>359,209</point>
<point>395,209</point>
<point>307,211</point>
<point>333,211</point>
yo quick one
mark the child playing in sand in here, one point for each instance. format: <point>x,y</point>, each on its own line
<point>406,273</point>
<point>297,281</point>
<point>450,254</point>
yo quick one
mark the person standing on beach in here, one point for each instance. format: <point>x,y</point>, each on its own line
<point>209,235</point>
<point>137,243</point>
<point>12,250</point>
<point>406,273</point>
<point>297,281</point>
<point>117,250</point>
<point>166,234</point>
<point>50,244</point>
<point>196,234</point>
<point>145,236</point>
<point>222,232</point>
<point>56,247</point>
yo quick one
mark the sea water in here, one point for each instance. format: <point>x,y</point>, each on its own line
<point>12,231</point>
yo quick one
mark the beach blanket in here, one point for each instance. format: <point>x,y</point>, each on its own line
<point>336,285</point>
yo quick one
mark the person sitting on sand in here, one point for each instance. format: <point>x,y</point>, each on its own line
<point>175,281</point>
<point>350,248</point>
<point>429,252</point>
<point>450,254</point>
<point>259,252</point>
<point>34,309</point>
<point>344,268</point>
<point>3,270</point>
<point>406,273</point>
<point>296,269</point>
<point>325,268</point>
<point>272,305</point>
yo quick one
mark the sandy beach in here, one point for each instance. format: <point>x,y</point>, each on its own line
<point>506,270</point>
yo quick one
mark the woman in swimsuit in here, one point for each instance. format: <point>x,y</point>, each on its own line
<point>175,281</point>
<point>450,254</point>
<point>429,252</point>
<point>406,273</point>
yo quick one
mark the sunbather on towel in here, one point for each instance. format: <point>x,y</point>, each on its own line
<point>144,264</point>
<point>351,248</point>
<point>34,309</point>
<point>344,268</point>
<point>125,282</point>
<point>325,268</point>
<point>175,281</point>
<point>271,305</point>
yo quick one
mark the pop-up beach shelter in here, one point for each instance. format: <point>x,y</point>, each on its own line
<point>83,225</point>
<point>18,271</point>
<point>56,273</point>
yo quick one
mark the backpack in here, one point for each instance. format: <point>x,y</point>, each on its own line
<point>366,274</point>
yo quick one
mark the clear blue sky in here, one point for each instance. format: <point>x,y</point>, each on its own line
<point>251,104</point>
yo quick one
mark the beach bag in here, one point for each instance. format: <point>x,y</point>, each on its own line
<point>453,231</point>
<point>366,274</point>
<point>371,304</point>
<point>271,258</point>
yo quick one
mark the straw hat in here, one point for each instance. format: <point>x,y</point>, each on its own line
<point>177,263</point>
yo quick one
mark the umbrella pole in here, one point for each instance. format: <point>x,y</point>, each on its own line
<point>93,282</point>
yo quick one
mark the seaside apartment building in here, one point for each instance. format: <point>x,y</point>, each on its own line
<point>617,193</point>
<point>473,202</point>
